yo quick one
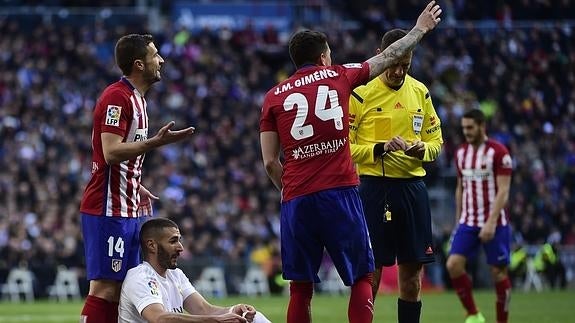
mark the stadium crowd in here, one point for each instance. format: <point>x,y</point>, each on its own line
<point>214,186</point>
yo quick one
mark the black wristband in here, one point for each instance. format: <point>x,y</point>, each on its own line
<point>379,149</point>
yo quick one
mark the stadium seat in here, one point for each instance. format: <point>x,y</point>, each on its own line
<point>212,282</point>
<point>19,282</point>
<point>255,283</point>
<point>332,283</point>
<point>65,285</point>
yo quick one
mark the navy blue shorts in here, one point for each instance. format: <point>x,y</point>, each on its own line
<point>466,242</point>
<point>406,237</point>
<point>331,219</point>
<point>111,246</point>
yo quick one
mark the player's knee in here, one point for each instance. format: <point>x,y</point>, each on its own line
<point>498,273</point>
<point>455,266</point>
<point>410,288</point>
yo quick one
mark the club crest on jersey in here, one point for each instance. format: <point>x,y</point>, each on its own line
<point>154,289</point>
<point>116,265</point>
<point>113,115</point>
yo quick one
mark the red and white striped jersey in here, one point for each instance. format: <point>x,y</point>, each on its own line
<point>113,189</point>
<point>478,168</point>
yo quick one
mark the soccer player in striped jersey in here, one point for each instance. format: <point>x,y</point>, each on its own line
<point>307,116</point>
<point>387,116</point>
<point>483,178</point>
<point>114,196</point>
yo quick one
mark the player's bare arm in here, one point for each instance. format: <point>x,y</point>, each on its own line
<point>156,313</point>
<point>488,230</point>
<point>428,19</point>
<point>458,196</point>
<point>197,304</point>
<point>271,157</point>
<point>116,151</point>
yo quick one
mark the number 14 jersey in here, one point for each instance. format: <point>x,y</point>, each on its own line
<point>310,111</point>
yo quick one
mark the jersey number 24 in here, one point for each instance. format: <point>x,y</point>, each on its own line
<point>334,112</point>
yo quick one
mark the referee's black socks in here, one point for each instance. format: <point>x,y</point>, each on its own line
<point>408,312</point>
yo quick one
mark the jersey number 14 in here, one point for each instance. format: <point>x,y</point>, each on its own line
<point>334,112</point>
<point>117,247</point>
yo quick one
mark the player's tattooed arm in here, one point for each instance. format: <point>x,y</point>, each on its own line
<point>428,19</point>
<point>385,59</point>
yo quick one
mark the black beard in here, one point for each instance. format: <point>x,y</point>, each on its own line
<point>165,259</point>
<point>151,77</point>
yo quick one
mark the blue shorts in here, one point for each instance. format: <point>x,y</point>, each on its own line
<point>331,219</point>
<point>111,246</point>
<point>406,237</point>
<point>466,243</point>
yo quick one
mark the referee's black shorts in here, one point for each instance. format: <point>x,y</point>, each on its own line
<point>406,238</point>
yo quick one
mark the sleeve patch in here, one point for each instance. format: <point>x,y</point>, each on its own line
<point>113,115</point>
<point>154,289</point>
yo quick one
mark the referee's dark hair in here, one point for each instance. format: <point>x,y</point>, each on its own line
<point>477,115</point>
<point>391,36</point>
<point>152,229</point>
<point>306,47</point>
<point>130,48</point>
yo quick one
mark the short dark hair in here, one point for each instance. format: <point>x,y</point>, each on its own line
<point>153,228</point>
<point>306,46</point>
<point>130,48</point>
<point>477,115</point>
<point>391,36</point>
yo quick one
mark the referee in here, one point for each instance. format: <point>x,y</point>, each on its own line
<point>393,130</point>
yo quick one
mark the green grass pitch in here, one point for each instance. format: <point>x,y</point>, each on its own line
<point>545,307</point>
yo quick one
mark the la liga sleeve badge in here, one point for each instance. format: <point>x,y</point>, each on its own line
<point>113,113</point>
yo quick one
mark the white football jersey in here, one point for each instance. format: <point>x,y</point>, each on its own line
<point>144,286</point>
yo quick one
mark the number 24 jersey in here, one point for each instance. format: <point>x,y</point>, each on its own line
<point>309,111</point>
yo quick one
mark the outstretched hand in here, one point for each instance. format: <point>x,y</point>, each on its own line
<point>167,136</point>
<point>429,17</point>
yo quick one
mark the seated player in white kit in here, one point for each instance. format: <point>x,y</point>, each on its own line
<point>157,291</point>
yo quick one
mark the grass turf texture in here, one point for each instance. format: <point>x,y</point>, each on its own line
<point>545,307</point>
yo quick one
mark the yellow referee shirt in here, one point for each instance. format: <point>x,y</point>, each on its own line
<point>378,113</point>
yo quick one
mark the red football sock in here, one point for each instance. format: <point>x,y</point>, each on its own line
<point>503,291</point>
<point>463,287</point>
<point>360,308</point>
<point>113,312</point>
<point>299,308</point>
<point>99,310</point>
